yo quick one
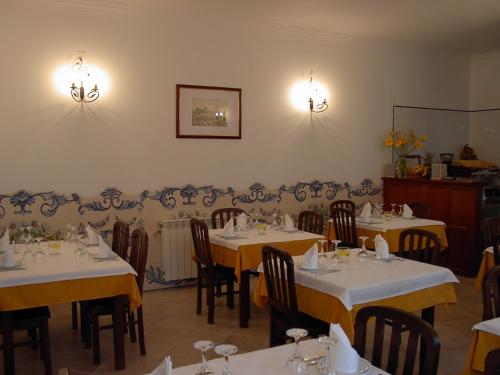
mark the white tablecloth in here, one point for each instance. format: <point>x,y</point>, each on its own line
<point>262,362</point>
<point>251,237</point>
<point>396,223</point>
<point>489,250</point>
<point>490,326</point>
<point>365,280</point>
<point>64,266</point>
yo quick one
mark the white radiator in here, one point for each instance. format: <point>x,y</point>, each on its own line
<point>177,249</point>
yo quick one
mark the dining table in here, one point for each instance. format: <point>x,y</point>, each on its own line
<point>243,252</point>
<point>390,228</point>
<point>487,263</point>
<point>269,361</point>
<point>486,337</point>
<point>337,290</point>
<point>51,273</point>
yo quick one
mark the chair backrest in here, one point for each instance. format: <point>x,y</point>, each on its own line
<point>310,221</point>
<point>201,242</point>
<point>343,204</point>
<point>139,254</point>
<point>420,210</point>
<point>490,227</point>
<point>492,363</point>
<point>280,281</point>
<point>344,224</point>
<point>221,216</point>
<point>496,249</point>
<point>398,321</point>
<point>120,239</point>
<point>491,294</point>
<point>420,245</point>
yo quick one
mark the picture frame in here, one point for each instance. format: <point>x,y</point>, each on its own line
<point>208,112</point>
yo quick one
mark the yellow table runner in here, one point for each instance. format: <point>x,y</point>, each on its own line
<point>392,235</point>
<point>250,256</point>
<point>487,264</point>
<point>330,309</point>
<point>482,344</point>
<point>43,294</point>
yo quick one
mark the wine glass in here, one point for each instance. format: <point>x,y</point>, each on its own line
<point>401,209</point>
<point>204,346</point>
<point>321,246</point>
<point>274,223</point>
<point>335,257</point>
<point>363,252</point>
<point>226,350</point>
<point>39,254</point>
<point>81,249</point>
<point>296,362</point>
<point>393,210</point>
<point>324,365</point>
<point>28,255</point>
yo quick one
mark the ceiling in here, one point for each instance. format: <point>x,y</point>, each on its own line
<point>464,27</point>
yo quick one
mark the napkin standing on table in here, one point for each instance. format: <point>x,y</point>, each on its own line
<point>229,228</point>
<point>165,368</point>
<point>343,357</point>
<point>104,249</point>
<point>310,259</point>
<point>7,258</point>
<point>241,221</point>
<point>5,241</point>
<point>92,236</point>
<point>407,211</point>
<point>289,223</point>
<point>366,212</point>
<point>381,247</point>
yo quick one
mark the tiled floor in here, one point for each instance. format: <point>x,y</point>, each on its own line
<point>172,326</point>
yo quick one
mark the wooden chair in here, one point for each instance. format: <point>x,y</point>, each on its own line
<point>398,321</point>
<point>491,294</point>
<point>420,245</point>
<point>209,274</point>
<point>221,216</point>
<point>490,228</point>
<point>492,363</point>
<point>348,204</point>
<point>35,319</point>
<point>420,210</point>
<point>285,314</point>
<point>344,224</point>
<point>101,307</point>
<point>496,249</point>
<point>310,221</point>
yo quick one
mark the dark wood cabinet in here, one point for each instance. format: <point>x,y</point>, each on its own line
<point>458,203</point>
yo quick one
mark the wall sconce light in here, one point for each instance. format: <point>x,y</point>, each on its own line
<point>322,106</point>
<point>78,93</point>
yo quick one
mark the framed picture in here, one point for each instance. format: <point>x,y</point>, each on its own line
<point>208,112</point>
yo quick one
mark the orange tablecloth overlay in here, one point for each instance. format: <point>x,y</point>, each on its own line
<point>487,264</point>
<point>250,256</point>
<point>392,235</point>
<point>482,344</point>
<point>330,309</point>
<point>43,294</point>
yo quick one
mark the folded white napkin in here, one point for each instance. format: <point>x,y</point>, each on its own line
<point>343,358</point>
<point>165,368</point>
<point>104,249</point>
<point>407,211</point>
<point>241,221</point>
<point>310,259</point>
<point>366,212</point>
<point>229,228</point>
<point>5,241</point>
<point>490,326</point>
<point>93,238</point>
<point>381,247</point>
<point>288,223</point>
<point>8,258</point>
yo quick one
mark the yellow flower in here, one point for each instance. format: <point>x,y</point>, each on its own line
<point>389,142</point>
<point>423,138</point>
<point>403,140</point>
<point>418,144</point>
<point>398,143</point>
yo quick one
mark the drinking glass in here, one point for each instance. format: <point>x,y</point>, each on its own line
<point>393,211</point>
<point>343,253</point>
<point>226,350</point>
<point>82,249</point>
<point>401,209</point>
<point>204,346</point>
<point>28,255</point>
<point>274,223</point>
<point>39,254</point>
<point>324,365</point>
<point>321,247</point>
<point>296,362</point>
<point>363,252</point>
<point>335,257</point>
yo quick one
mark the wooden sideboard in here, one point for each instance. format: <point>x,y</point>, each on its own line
<point>458,203</point>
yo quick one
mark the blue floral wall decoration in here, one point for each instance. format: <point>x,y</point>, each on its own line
<point>111,198</point>
<point>367,188</point>
<point>316,188</point>
<point>257,194</point>
<point>189,193</point>
<point>23,200</point>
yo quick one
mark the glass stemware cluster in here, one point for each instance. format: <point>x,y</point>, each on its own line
<point>224,350</point>
<point>296,363</point>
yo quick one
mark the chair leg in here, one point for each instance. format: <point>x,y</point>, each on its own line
<point>83,317</point>
<point>33,333</point>
<point>86,326</point>
<point>230,295</point>
<point>95,338</point>
<point>45,347</point>
<point>218,289</point>
<point>199,297</point>
<point>74,315</point>
<point>272,333</point>
<point>8,343</point>
<point>210,302</point>
<point>131,326</point>
<point>140,329</point>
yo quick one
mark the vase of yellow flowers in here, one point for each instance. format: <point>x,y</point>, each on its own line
<point>403,143</point>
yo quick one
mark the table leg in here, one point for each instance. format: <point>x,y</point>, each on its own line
<point>244,298</point>
<point>428,315</point>
<point>8,343</point>
<point>118,331</point>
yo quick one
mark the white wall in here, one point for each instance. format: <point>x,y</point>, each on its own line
<point>127,139</point>
<point>485,93</point>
